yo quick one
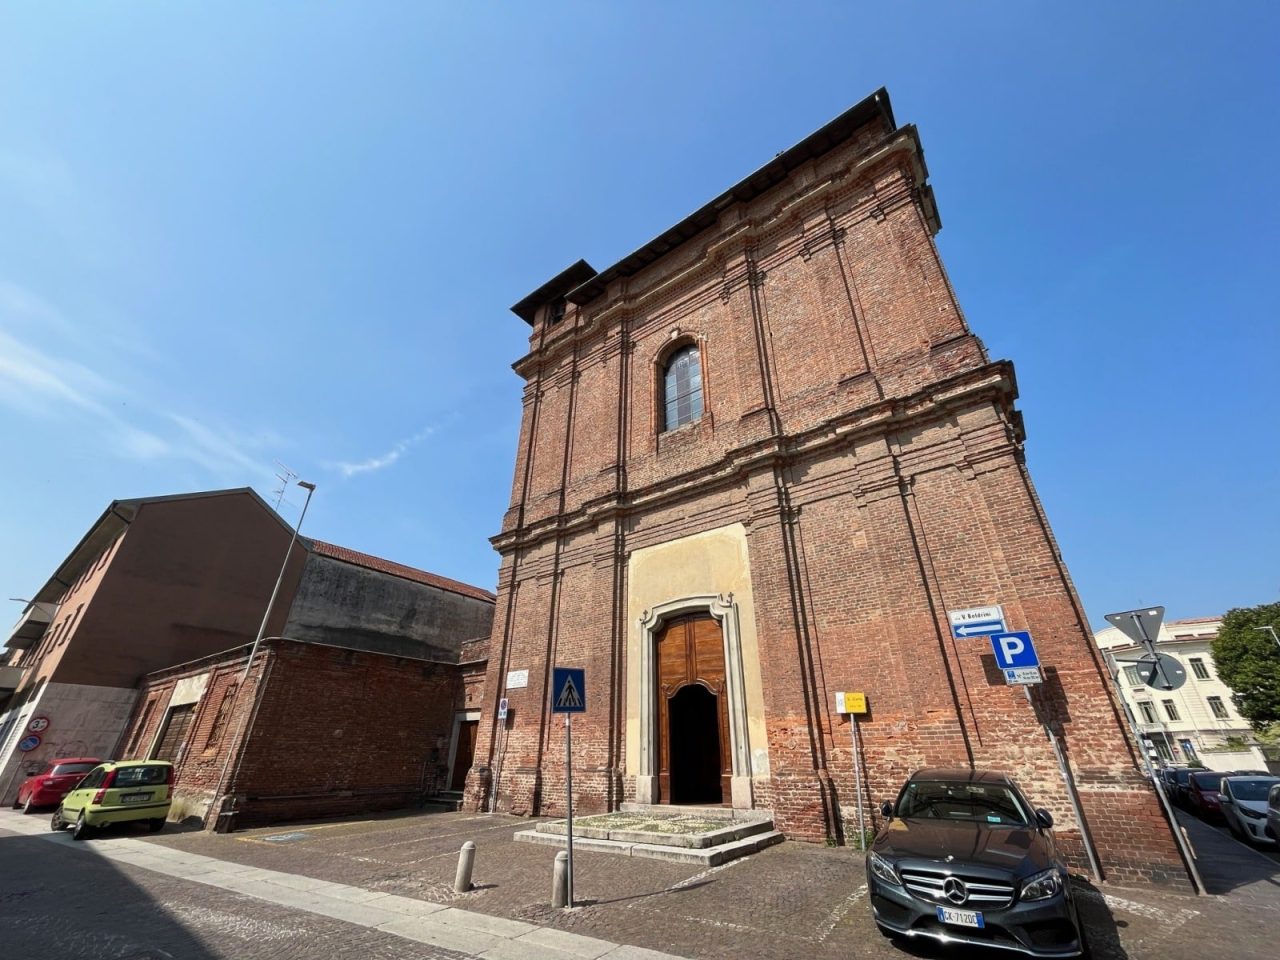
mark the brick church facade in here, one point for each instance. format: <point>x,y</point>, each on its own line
<point>760,459</point>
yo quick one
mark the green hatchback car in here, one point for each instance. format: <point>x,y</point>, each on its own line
<point>117,793</point>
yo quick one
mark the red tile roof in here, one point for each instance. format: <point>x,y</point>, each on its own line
<point>400,570</point>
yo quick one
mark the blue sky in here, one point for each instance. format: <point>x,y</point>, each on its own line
<point>236,233</point>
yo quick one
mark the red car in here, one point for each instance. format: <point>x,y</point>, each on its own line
<point>1202,793</point>
<point>50,785</point>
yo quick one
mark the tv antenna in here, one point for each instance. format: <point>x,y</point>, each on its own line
<point>286,478</point>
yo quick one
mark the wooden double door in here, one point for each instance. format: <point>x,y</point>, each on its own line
<point>695,765</point>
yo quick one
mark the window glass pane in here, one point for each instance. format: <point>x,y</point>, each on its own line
<point>682,388</point>
<point>1170,710</point>
<point>1199,669</point>
<point>1131,675</point>
<point>62,769</point>
<point>141,776</point>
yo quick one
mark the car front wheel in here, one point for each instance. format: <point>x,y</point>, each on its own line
<point>82,828</point>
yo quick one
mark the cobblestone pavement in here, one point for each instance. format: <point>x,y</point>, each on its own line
<point>61,903</point>
<point>789,901</point>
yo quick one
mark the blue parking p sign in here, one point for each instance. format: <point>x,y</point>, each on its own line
<point>1014,650</point>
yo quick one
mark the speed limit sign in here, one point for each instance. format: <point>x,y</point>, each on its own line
<point>38,725</point>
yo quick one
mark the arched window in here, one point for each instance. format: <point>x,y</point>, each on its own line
<point>682,388</point>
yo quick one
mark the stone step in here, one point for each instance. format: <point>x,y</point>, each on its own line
<point>711,813</point>
<point>446,799</point>
<point>592,828</point>
<point>703,856</point>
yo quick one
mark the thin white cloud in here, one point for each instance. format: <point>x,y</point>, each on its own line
<point>217,449</point>
<point>36,382</point>
<point>348,469</point>
<point>19,305</point>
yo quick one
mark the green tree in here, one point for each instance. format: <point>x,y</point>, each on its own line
<point>1248,661</point>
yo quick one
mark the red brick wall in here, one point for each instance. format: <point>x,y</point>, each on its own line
<point>337,731</point>
<point>857,429</point>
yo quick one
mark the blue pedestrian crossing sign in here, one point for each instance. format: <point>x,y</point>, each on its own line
<point>568,690</point>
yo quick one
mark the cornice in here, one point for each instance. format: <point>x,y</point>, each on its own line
<point>993,380</point>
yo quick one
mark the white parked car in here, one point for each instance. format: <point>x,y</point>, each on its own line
<point>1244,806</point>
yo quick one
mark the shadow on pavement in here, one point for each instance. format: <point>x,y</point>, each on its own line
<point>1226,864</point>
<point>57,902</point>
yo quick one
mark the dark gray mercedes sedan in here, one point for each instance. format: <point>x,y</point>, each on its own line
<point>963,858</point>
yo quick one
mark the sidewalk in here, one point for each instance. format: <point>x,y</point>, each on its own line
<point>474,934</point>
<point>792,900</point>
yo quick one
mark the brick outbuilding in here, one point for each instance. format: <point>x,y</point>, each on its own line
<point>161,581</point>
<point>760,460</point>
<point>315,730</point>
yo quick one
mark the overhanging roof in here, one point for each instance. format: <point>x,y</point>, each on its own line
<point>557,286</point>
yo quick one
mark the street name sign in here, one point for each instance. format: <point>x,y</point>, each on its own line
<point>977,621</point>
<point>568,690</point>
<point>851,702</point>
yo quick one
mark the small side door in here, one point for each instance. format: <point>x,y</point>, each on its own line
<point>79,798</point>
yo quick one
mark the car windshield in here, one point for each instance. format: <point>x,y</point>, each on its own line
<point>959,800</point>
<point>1207,781</point>
<point>1183,775</point>
<point>140,776</point>
<point>1252,789</point>
<point>63,769</point>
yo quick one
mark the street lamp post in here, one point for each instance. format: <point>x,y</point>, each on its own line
<point>1271,630</point>
<point>253,651</point>
<point>262,629</point>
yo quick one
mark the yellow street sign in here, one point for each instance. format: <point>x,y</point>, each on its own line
<point>855,702</point>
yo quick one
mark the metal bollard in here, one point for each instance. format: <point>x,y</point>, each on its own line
<point>466,860</point>
<point>560,880</point>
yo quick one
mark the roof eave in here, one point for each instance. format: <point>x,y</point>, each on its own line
<point>821,141</point>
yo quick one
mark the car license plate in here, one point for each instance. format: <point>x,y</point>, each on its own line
<point>135,798</point>
<point>961,918</point>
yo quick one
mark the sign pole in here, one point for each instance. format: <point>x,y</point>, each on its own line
<point>857,781</point>
<point>568,792</point>
<point>1094,867</point>
<point>1175,827</point>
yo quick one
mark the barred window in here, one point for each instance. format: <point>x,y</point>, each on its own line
<point>682,388</point>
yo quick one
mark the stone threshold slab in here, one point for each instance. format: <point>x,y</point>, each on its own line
<point>681,830</point>
<point>703,856</point>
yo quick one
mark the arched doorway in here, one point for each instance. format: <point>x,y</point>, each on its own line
<point>693,716</point>
<point>694,760</point>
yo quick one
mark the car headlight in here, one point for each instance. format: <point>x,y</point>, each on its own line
<point>1042,885</point>
<point>1252,814</point>
<point>883,869</point>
